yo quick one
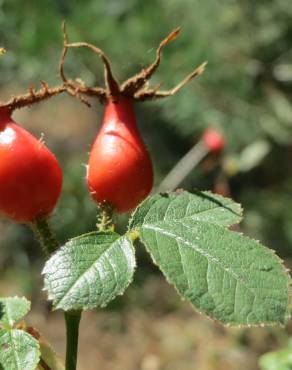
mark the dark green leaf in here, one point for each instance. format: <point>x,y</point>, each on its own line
<point>227,276</point>
<point>90,271</point>
<point>224,274</point>
<point>189,207</point>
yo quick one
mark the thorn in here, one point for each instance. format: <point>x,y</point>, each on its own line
<point>31,91</point>
<point>45,86</point>
<point>80,82</point>
<point>202,67</point>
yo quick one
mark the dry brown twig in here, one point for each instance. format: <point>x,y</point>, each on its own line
<point>135,87</point>
<point>32,97</point>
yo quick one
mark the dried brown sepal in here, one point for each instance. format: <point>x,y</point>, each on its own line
<point>148,94</point>
<point>135,87</point>
<point>77,87</point>
<point>32,97</point>
<point>135,83</point>
<point>111,83</point>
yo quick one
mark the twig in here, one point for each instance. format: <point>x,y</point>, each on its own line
<point>31,97</point>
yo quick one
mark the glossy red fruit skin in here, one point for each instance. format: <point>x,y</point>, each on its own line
<point>119,169</point>
<point>30,176</point>
<point>213,140</point>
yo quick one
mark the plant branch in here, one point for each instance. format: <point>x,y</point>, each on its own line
<point>45,236</point>
<point>72,320</point>
<point>105,217</point>
<point>31,97</point>
<point>50,244</point>
<point>183,167</point>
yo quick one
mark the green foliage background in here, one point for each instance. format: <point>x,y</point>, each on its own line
<point>245,92</point>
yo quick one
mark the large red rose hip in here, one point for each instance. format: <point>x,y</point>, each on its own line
<point>119,168</point>
<point>30,176</point>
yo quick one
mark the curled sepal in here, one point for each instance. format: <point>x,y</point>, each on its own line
<point>90,270</point>
<point>135,83</point>
<point>136,87</point>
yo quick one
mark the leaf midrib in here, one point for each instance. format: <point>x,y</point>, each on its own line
<point>59,302</point>
<point>203,253</point>
<point>16,358</point>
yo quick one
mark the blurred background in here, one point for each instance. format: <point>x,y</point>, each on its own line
<point>245,93</point>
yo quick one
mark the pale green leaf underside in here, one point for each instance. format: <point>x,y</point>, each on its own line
<point>13,309</point>
<point>90,271</point>
<point>187,207</point>
<point>281,360</point>
<point>19,350</point>
<point>229,277</point>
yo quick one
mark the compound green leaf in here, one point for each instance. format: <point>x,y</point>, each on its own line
<point>13,309</point>
<point>90,271</point>
<point>189,207</point>
<point>229,277</point>
<point>19,350</point>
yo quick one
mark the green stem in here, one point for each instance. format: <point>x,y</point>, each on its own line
<point>72,319</point>
<point>45,236</point>
<point>105,217</point>
<point>50,244</point>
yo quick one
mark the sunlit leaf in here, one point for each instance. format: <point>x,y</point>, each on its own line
<point>19,350</point>
<point>90,271</point>
<point>224,274</point>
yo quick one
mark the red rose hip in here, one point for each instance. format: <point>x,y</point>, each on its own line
<point>213,140</point>
<point>119,168</point>
<point>30,176</point>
